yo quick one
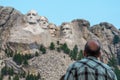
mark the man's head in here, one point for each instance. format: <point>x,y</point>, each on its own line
<point>92,48</point>
<point>32,17</point>
<point>43,22</point>
<point>52,29</point>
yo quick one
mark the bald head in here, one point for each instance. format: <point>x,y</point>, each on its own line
<point>92,48</point>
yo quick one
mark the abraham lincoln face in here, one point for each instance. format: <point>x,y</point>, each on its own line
<point>66,30</point>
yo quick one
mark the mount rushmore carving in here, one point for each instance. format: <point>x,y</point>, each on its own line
<point>31,29</point>
<point>26,32</point>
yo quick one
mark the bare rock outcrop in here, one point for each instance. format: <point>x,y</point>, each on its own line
<point>7,19</point>
<point>10,63</point>
<point>105,32</point>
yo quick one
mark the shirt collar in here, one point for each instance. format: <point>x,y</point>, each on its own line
<point>92,57</point>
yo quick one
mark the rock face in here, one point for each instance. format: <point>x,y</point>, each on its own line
<point>12,64</point>
<point>7,20</point>
<point>22,29</point>
<point>25,32</point>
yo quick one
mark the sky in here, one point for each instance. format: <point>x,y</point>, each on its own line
<point>58,11</point>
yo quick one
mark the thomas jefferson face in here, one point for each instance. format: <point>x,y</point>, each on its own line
<point>32,17</point>
<point>44,22</point>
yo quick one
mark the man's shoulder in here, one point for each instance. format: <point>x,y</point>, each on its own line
<point>78,63</point>
<point>93,62</point>
<point>106,66</point>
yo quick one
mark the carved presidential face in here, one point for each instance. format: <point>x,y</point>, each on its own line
<point>52,29</point>
<point>32,17</point>
<point>66,30</point>
<point>43,22</point>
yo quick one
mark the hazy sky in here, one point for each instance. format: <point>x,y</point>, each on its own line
<point>58,11</point>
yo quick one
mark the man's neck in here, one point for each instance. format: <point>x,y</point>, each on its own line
<point>93,57</point>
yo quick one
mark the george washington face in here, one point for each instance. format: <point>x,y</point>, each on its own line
<point>32,17</point>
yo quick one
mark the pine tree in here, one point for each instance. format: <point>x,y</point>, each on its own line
<point>80,55</point>
<point>42,49</point>
<point>1,77</point>
<point>31,77</point>
<point>18,58</point>
<point>39,76</point>
<point>36,54</point>
<point>27,56</point>
<point>75,49</point>
<point>4,71</point>
<point>75,52</point>
<point>71,54</point>
<point>25,62</point>
<point>113,63</point>
<point>52,46</point>
<point>65,48</point>
<point>10,71</point>
<point>117,72</point>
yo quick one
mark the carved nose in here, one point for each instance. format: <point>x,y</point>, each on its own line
<point>64,32</point>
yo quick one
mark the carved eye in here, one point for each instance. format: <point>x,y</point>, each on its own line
<point>28,14</point>
<point>102,29</point>
<point>67,28</point>
<point>51,28</point>
<point>33,14</point>
<point>44,22</point>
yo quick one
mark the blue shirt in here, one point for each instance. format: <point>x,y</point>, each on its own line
<point>89,69</point>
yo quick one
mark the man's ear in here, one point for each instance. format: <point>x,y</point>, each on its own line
<point>85,54</point>
<point>99,55</point>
